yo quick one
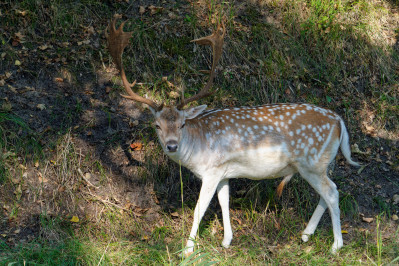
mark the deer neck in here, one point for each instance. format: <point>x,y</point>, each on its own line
<point>190,143</point>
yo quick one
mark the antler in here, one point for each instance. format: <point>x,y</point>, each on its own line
<point>216,41</point>
<point>117,41</point>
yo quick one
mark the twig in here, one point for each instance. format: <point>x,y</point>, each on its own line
<point>105,201</point>
<point>102,256</point>
<point>85,179</point>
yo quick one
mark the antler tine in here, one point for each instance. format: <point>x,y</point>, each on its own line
<point>117,41</point>
<point>216,41</point>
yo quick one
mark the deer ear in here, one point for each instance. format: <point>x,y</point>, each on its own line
<point>153,111</point>
<point>193,112</point>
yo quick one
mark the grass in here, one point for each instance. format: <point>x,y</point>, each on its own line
<point>338,54</point>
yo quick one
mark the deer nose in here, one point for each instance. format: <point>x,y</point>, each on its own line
<point>171,146</point>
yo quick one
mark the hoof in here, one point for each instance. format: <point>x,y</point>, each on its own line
<point>335,248</point>
<point>305,238</point>
<point>226,244</point>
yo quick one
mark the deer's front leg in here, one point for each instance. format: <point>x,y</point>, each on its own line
<point>208,189</point>
<point>223,196</point>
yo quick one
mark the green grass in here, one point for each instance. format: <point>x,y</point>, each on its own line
<point>337,54</point>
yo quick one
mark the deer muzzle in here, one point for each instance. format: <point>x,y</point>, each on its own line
<point>171,146</point>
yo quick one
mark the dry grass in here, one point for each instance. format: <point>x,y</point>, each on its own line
<point>73,158</point>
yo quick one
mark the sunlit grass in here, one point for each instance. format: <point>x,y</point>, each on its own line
<point>338,54</point>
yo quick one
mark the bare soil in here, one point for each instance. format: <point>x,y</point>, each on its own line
<point>101,125</point>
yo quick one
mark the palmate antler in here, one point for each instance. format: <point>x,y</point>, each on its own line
<point>216,41</point>
<point>117,41</point>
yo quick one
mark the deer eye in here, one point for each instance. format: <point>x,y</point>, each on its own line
<point>158,127</point>
<point>182,125</point>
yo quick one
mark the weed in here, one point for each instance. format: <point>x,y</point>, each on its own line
<point>339,54</point>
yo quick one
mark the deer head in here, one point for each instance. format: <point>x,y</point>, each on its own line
<point>169,120</point>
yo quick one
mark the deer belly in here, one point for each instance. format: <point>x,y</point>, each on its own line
<point>259,163</point>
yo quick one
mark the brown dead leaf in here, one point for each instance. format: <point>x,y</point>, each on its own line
<point>108,89</point>
<point>136,146</point>
<point>237,220</point>
<point>367,220</point>
<point>6,106</point>
<point>142,10</point>
<point>145,238</point>
<point>308,249</point>
<point>15,180</point>
<point>13,89</point>
<point>43,47</point>
<point>42,179</point>
<point>19,35</point>
<point>41,106</point>
<point>21,12</point>
<point>154,9</point>
<point>175,214</point>
<point>133,123</point>
<point>174,94</point>
<point>59,80</point>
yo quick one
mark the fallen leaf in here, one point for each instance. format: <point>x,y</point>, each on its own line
<point>136,146</point>
<point>154,9</point>
<point>75,219</point>
<point>175,214</point>
<point>22,13</point>
<point>145,238</point>
<point>15,180</point>
<point>13,89</point>
<point>43,47</point>
<point>108,89</point>
<point>142,10</point>
<point>367,220</point>
<point>395,199</point>
<point>344,231</point>
<point>20,36</point>
<point>59,79</point>
<point>42,179</point>
<point>238,220</point>
<point>308,249</point>
<point>41,106</point>
<point>17,63</point>
<point>6,106</point>
<point>133,123</point>
<point>174,94</point>
<point>395,217</point>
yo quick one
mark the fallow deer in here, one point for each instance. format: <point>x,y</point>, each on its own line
<point>262,142</point>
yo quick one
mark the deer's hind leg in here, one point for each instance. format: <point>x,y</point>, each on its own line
<point>329,198</point>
